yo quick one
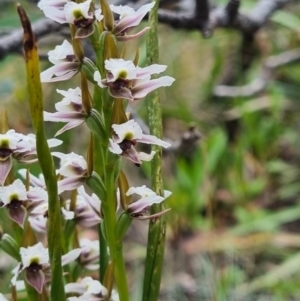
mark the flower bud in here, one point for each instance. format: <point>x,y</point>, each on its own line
<point>85,94</point>
<point>108,15</point>
<point>10,246</point>
<point>123,224</point>
<point>89,68</point>
<point>124,187</point>
<point>4,127</point>
<point>108,280</point>
<point>95,123</point>
<point>97,185</point>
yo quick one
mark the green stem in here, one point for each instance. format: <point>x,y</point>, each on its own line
<point>45,159</point>
<point>157,227</point>
<point>110,219</point>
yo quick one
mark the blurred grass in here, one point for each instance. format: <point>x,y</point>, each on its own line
<point>235,218</point>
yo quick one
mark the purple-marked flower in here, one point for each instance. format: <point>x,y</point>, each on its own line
<point>71,12</point>
<point>92,200</point>
<point>35,263</point>
<point>69,110</point>
<point>74,168</point>
<point>125,80</point>
<point>84,215</point>
<point>22,156</point>
<point>13,197</point>
<point>148,198</point>
<point>87,287</point>
<point>12,144</point>
<point>75,12</point>
<point>126,136</point>
<point>89,257</point>
<point>65,63</point>
<point>18,201</point>
<point>80,15</point>
<point>129,18</point>
<point>21,148</point>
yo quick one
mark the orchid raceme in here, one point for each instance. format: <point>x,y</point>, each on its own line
<point>69,110</point>
<point>148,198</point>
<point>85,196</point>
<point>129,18</point>
<point>35,263</point>
<point>124,80</point>
<point>126,136</point>
<point>65,64</point>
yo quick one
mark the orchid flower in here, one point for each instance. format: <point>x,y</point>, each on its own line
<point>148,198</point>
<point>125,80</point>
<point>74,168</point>
<point>19,147</point>
<point>78,14</point>
<point>35,263</point>
<point>84,215</point>
<point>87,287</point>
<point>69,110</point>
<point>65,64</point>
<point>126,136</point>
<point>89,257</point>
<point>18,201</point>
<point>13,198</point>
<point>128,18</point>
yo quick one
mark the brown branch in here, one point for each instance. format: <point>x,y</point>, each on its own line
<point>222,17</point>
<point>260,83</point>
<point>232,10</point>
<point>12,43</point>
<point>202,20</point>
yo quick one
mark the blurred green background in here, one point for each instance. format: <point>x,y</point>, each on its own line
<point>233,231</point>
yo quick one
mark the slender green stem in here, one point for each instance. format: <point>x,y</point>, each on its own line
<point>109,210</point>
<point>44,156</point>
<point>157,227</point>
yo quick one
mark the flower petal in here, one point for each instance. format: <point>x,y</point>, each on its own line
<point>150,139</point>
<point>132,19</point>
<point>141,90</point>
<point>70,125</point>
<point>17,213</point>
<point>71,256</point>
<point>35,278</point>
<point>5,167</point>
